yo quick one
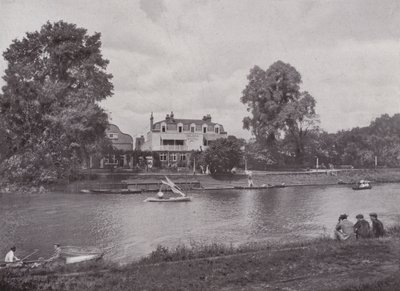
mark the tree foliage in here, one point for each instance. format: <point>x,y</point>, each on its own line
<point>49,109</point>
<point>359,146</point>
<point>278,108</point>
<point>223,155</point>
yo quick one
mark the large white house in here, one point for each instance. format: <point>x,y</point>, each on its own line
<point>174,139</point>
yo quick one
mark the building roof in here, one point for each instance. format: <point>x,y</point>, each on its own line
<point>186,121</point>
<point>126,137</point>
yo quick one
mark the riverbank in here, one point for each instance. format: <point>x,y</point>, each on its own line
<point>124,180</point>
<point>328,177</point>
<point>320,264</point>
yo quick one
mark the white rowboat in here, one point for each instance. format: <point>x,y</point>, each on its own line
<point>73,254</point>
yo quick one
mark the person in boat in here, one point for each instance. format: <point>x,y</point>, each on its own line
<point>363,184</point>
<point>344,229</point>
<point>160,195</point>
<point>377,225</point>
<point>57,253</point>
<point>362,228</point>
<point>10,256</point>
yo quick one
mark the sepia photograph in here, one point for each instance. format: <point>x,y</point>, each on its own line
<point>199,145</point>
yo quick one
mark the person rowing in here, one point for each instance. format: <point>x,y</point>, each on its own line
<point>11,259</point>
<point>10,256</point>
<point>57,253</point>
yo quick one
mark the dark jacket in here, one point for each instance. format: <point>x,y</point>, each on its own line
<point>377,228</point>
<point>362,229</point>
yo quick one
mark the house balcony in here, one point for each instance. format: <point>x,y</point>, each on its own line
<point>170,148</point>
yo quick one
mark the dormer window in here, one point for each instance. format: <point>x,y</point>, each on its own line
<point>180,127</point>
<point>204,128</point>
<point>192,127</point>
<point>216,129</point>
<point>163,128</point>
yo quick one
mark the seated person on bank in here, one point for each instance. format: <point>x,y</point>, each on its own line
<point>377,225</point>
<point>344,229</point>
<point>362,228</point>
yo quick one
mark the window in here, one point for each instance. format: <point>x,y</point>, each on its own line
<point>192,129</point>
<point>110,160</point>
<point>163,157</point>
<point>113,135</point>
<point>174,157</point>
<point>163,128</point>
<point>180,128</point>
<point>204,129</point>
<point>183,157</point>
<point>204,142</point>
<point>216,129</point>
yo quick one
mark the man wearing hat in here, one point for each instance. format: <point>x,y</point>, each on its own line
<point>344,229</point>
<point>377,225</point>
<point>362,228</point>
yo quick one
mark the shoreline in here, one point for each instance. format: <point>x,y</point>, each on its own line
<point>305,265</point>
<point>114,181</point>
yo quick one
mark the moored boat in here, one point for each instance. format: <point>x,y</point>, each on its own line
<point>112,191</point>
<point>362,185</point>
<point>171,199</point>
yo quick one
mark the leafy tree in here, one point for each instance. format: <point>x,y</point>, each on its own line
<point>223,155</point>
<point>278,108</point>
<point>54,79</point>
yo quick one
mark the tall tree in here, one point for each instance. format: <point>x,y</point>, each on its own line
<point>49,106</point>
<point>223,155</point>
<point>278,108</point>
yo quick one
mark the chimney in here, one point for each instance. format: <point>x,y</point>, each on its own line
<point>151,121</point>
<point>207,118</point>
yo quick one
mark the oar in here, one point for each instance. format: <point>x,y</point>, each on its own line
<point>34,252</point>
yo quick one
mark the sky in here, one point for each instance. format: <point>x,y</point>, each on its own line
<point>193,57</point>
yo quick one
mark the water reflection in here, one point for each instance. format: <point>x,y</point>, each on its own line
<point>128,228</point>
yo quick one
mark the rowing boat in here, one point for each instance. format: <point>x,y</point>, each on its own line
<point>73,254</point>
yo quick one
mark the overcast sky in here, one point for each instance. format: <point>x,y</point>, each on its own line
<point>192,57</point>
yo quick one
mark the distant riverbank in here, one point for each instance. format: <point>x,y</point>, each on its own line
<point>260,178</point>
<point>319,264</point>
<point>115,180</point>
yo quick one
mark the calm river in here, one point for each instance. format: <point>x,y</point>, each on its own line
<point>129,228</point>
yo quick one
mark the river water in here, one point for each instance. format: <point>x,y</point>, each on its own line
<point>128,228</point>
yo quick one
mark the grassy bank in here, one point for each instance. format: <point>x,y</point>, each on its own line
<point>320,264</point>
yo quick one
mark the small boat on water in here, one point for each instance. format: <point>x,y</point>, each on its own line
<point>73,254</point>
<point>174,188</point>
<point>112,191</point>
<point>172,199</point>
<point>261,187</point>
<point>363,185</point>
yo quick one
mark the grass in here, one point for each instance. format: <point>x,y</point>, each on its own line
<point>314,264</point>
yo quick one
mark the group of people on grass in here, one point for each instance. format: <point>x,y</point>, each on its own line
<point>346,230</point>
<point>12,260</point>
